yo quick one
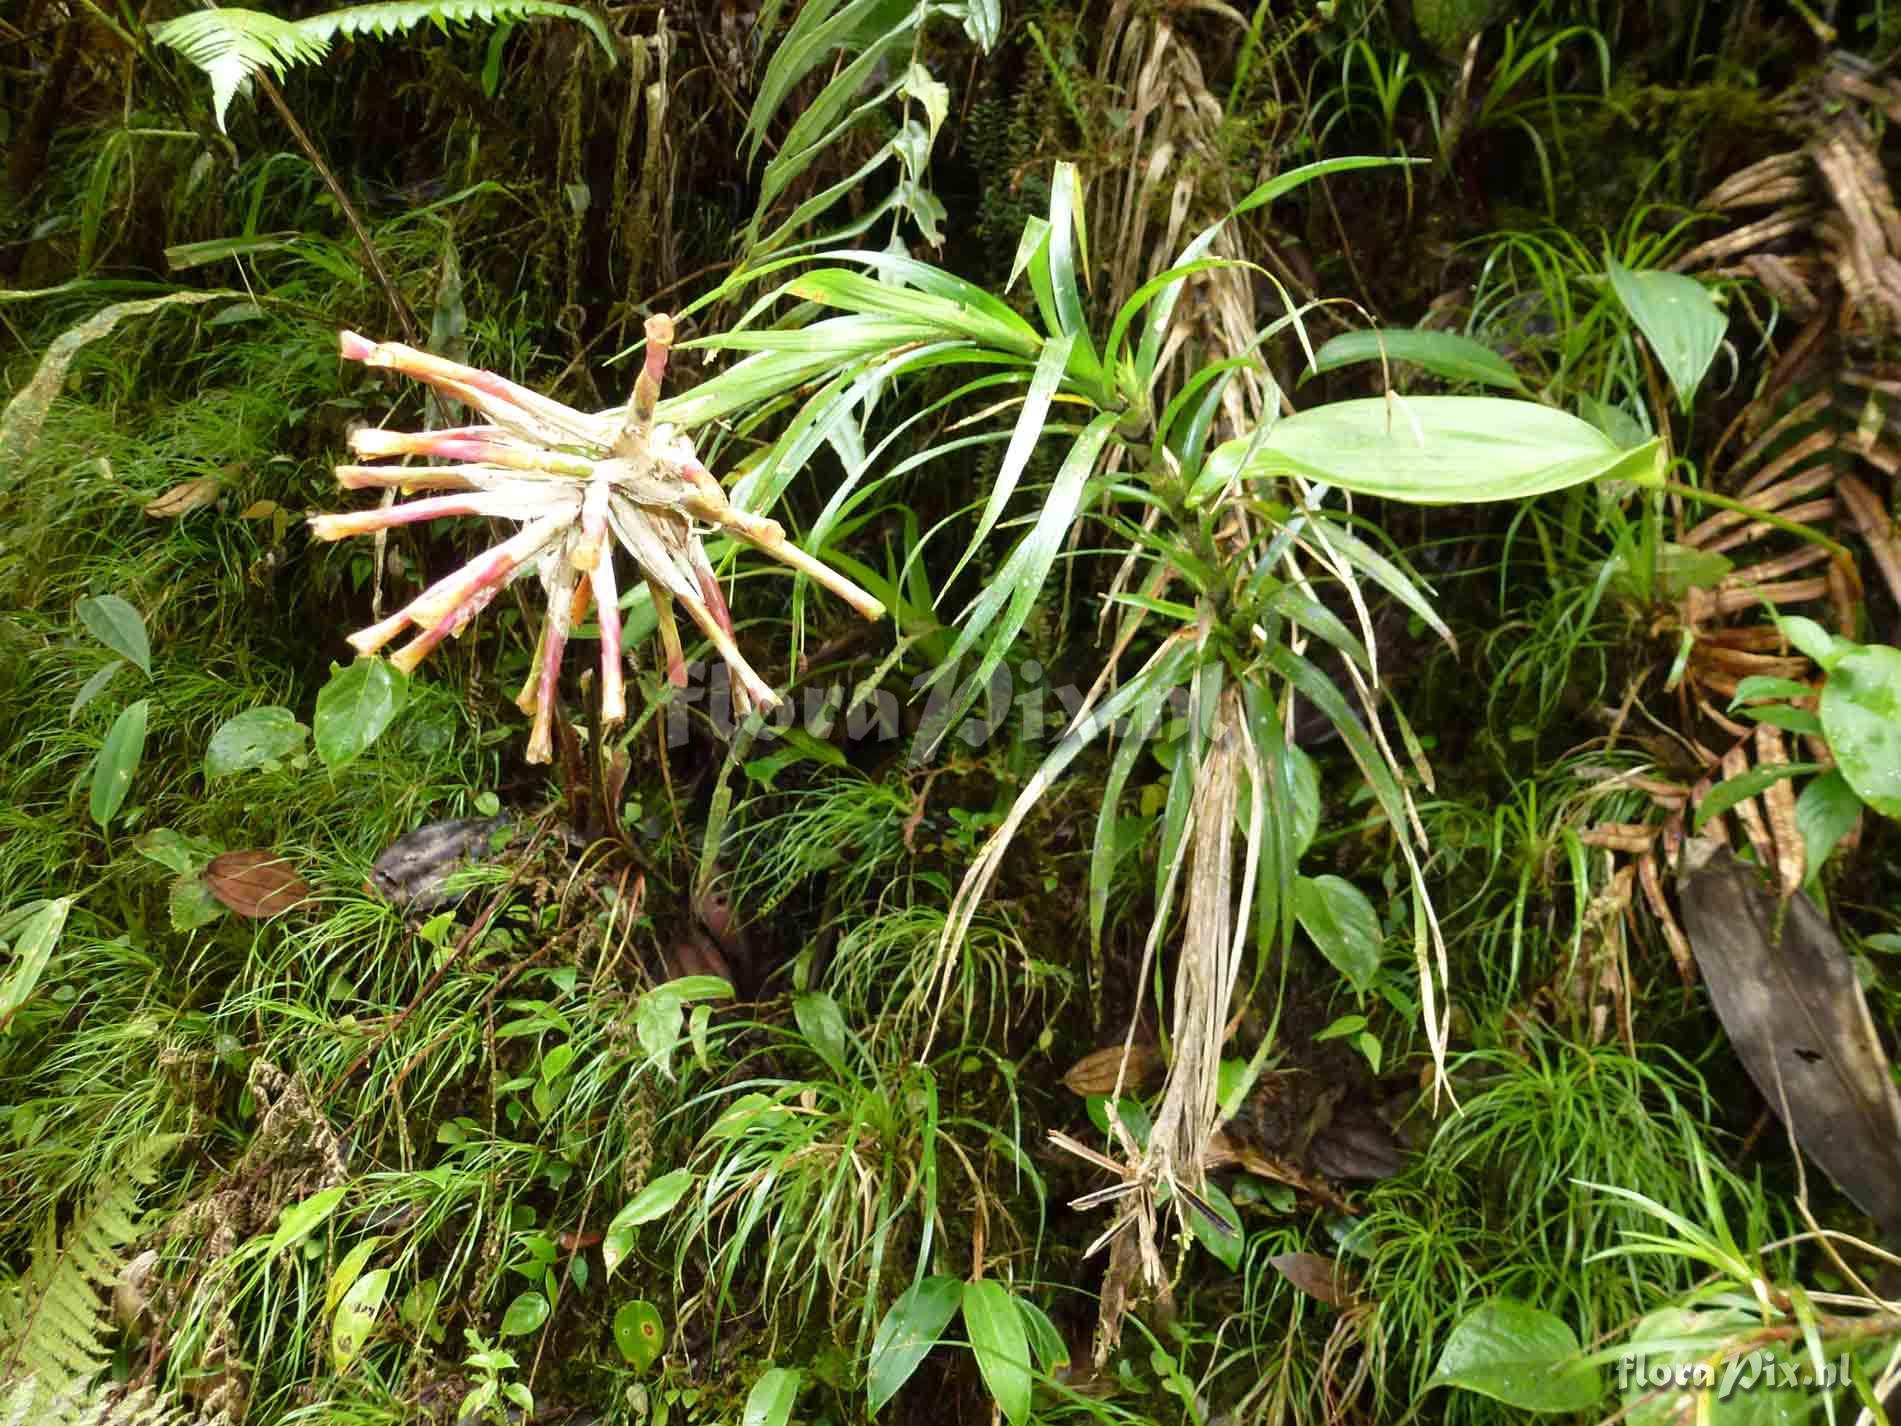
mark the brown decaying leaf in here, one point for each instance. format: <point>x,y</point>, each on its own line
<point>1786,993</point>
<point>185,497</point>
<point>1316,1276</point>
<point>255,884</point>
<point>1096,1073</point>
<point>1778,800</point>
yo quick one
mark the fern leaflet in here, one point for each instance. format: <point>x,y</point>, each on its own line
<point>52,1319</point>
<point>231,45</point>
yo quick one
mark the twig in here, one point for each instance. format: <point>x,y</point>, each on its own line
<point>404,318</point>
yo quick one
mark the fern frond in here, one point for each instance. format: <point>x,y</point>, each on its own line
<point>105,1405</point>
<point>52,1319</point>
<point>231,45</point>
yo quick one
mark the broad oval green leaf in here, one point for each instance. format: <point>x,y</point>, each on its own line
<point>1678,317</point>
<point>120,627</point>
<point>356,1318</point>
<point>910,1329</point>
<point>299,1219</point>
<point>118,761</point>
<point>1445,354</point>
<point>1339,919</point>
<point>1825,813</point>
<point>1001,1346</point>
<point>822,1026</point>
<point>639,1333</point>
<point>354,708</point>
<point>251,739</point>
<point>1861,718</point>
<point>1217,1226</point>
<point>1519,1355</point>
<point>32,950</point>
<point>772,1397</point>
<point>524,1315</point>
<point>656,1200</point>
<point>1439,450</point>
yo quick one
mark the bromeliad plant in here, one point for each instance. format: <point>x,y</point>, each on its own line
<point>569,479</point>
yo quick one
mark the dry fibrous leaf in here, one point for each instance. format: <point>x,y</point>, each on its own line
<point>577,484</point>
<point>255,884</point>
<point>1877,527</point>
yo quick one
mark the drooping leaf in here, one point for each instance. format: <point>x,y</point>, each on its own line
<point>906,1335</point>
<point>32,950</point>
<point>1438,450</point>
<point>251,739</point>
<point>1001,1346</point>
<point>639,1333</point>
<point>1861,718</point>
<point>120,627</point>
<point>118,761</point>
<point>656,1200</point>
<point>1342,923</point>
<point>1678,317</point>
<point>355,706</point>
<point>1520,1355</point>
<point>1445,354</point>
<point>25,413</point>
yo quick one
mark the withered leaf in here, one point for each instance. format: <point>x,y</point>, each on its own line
<point>1787,995</point>
<point>1095,1073</point>
<point>256,884</point>
<point>1316,1276</point>
<point>185,497</point>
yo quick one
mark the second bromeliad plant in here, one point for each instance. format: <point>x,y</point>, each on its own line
<point>1220,549</point>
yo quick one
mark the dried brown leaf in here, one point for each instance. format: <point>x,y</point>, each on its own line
<point>255,884</point>
<point>1778,801</point>
<point>1316,1276</point>
<point>1097,1072</point>
<point>185,497</point>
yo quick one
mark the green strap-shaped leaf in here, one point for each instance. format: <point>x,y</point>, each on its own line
<point>1018,583</point>
<point>1446,354</point>
<point>1001,1346</point>
<point>118,761</point>
<point>906,1335</point>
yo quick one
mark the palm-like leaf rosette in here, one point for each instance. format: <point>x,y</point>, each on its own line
<point>569,479</point>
